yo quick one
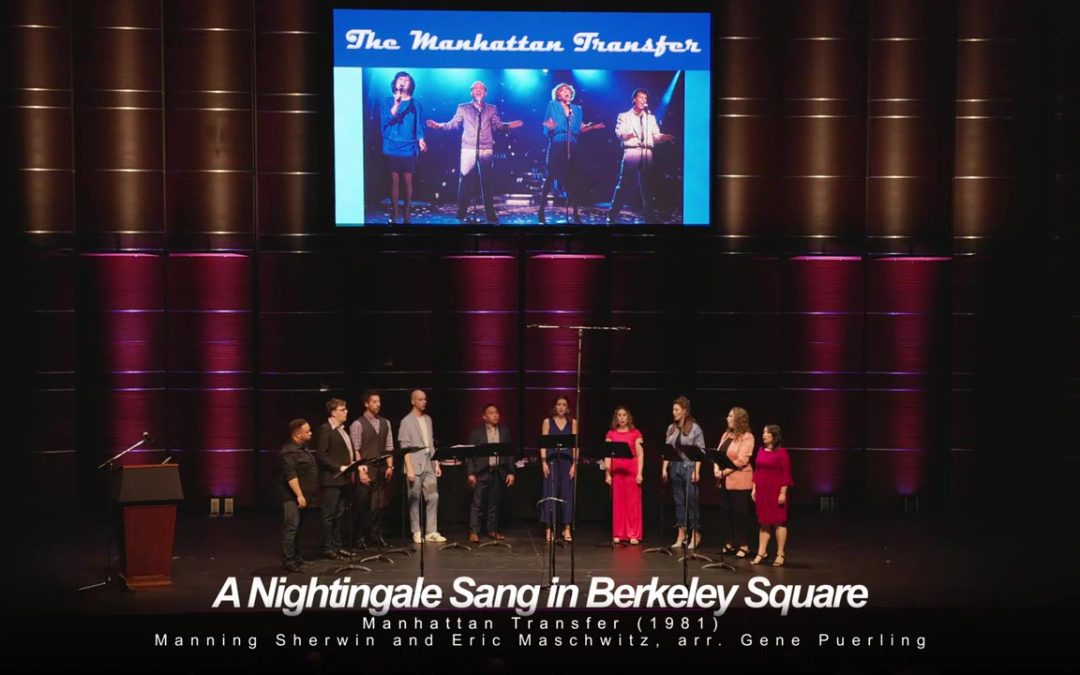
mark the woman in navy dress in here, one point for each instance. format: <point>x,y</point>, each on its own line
<point>559,469</point>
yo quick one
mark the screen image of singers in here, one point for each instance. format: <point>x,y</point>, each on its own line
<point>448,118</point>
<point>523,157</point>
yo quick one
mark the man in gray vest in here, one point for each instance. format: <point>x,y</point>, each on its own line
<point>422,472</point>
<point>371,436</point>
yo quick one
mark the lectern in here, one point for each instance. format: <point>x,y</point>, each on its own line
<point>146,495</point>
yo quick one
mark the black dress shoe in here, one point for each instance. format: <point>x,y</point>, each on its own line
<point>331,555</point>
<point>541,218</point>
<point>381,543</point>
<point>291,567</point>
<point>360,545</point>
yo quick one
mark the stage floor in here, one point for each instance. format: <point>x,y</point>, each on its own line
<point>907,561</point>
<point>979,601</point>
<point>516,214</point>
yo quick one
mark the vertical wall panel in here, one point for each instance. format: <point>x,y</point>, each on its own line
<point>121,357</point>
<point>910,123</point>
<point>38,135</point>
<point>823,124</point>
<point>907,349</point>
<point>747,165</point>
<point>303,345</point>
<point>823,356</point>
<point>118,121</point>
<point>987,187</point>
<point>291,42</point>
<point>477,353</point>
<point>209,135</point>
<point>49,365</point>
<point>211,400</point>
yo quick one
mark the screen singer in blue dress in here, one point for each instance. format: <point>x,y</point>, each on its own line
<point>402,123</point>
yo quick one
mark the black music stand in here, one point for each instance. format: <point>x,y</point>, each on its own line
<point>381,556</point>
<point>675,452</point>
<point>721,459</point>
<point>423,501</point>
<point>612,450</point>
<point>563,446</point>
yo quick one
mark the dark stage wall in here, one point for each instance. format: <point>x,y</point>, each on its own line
<point>890,273</point>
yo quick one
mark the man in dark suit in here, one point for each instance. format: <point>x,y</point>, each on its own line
<point>488,475</point>
<point>334,453</point>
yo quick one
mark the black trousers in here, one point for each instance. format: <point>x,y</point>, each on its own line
<point>489,485</point>
<point>333,507</point>
<point>740,517</point>
<point>294,518</point>
<point>564,169</point>
<point>369,507</point>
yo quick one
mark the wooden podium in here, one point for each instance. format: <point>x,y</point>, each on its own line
<point>147,495</point>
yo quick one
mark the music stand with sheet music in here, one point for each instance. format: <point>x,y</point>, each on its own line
<point>563,446</point>
<point>674,452</point>
<point>381,556</point>
<point>464,453</point>
<point>610,451</point>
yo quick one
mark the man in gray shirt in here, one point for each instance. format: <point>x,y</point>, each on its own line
<point>478,122</point>
<point>421,470</point>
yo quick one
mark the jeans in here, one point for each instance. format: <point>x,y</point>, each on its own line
<point>681,473</point>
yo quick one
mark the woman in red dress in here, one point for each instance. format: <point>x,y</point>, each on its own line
<point>772,478</point>
<point>625,477</point>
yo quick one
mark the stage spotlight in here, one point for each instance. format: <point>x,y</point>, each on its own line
<point>590,77</point>
<point>522,81</point>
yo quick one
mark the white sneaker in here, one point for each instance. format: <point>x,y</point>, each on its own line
<point>416,538</point>
<point>435,537</point>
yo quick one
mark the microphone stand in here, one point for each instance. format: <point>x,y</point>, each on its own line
<point>109,518</point>
<point>644,172</point>
<point>479,169</point>
<point>577,415</point>
<point>566,168</point>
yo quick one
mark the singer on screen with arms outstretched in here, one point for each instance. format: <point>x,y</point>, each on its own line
<point>402,125</point>
<point>563,123</point>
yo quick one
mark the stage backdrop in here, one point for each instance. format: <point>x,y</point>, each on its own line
<point>894,183</point>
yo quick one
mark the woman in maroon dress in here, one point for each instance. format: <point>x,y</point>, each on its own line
<point>772,478</point>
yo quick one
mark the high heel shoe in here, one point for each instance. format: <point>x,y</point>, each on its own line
<point>779,562</point>
<point>742,552</point>
<point>759,559</point>
<point>694,543</point>
<point>678,543</point>
<point>548,535</point>
<point>566,536</point>
<point>540,216</point>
